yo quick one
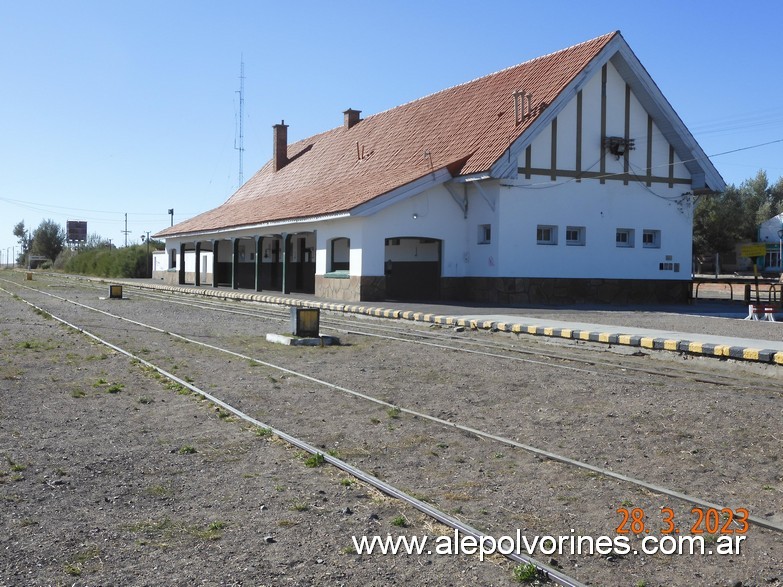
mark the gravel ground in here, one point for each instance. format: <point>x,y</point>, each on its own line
<point>112,477</point>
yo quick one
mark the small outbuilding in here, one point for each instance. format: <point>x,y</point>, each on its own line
<point>563,179</point>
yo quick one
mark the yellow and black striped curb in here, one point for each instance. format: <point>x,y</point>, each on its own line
<point>722,351</point>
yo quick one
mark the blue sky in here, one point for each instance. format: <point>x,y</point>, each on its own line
<point>110,107</point>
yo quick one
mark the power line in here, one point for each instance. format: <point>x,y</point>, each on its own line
<point>747,148</point>
<point>54,209</point>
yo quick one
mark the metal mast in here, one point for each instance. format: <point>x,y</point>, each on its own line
<point>240,146</point>
<point>126,232</point>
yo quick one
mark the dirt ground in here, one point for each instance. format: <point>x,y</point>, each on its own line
<point>112,476</point>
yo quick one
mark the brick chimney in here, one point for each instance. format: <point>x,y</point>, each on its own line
<point>280,145</point>
<point>351,117</point>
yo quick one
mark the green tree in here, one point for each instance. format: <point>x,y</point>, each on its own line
<point>95,241</point>
<point>755,194</point>
<point>23,235</point>
<point>723,220</point>
<point>48,239</point>
<point>717,222</point>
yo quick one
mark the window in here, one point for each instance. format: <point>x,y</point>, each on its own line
<point>575,236</point>
<point>624,237</point>
<point>651,239</point>
<point>772,259</point>
<point>669,267</point>
<point>484,234</point>
<point>341,254</point>
<point>546,235</point>
<point>173,259</point>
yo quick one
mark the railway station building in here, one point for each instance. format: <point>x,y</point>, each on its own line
<point>564,179</point>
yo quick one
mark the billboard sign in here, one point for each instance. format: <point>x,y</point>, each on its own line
<point>76,231</point>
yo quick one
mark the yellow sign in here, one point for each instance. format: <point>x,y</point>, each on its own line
<point>753,250</point>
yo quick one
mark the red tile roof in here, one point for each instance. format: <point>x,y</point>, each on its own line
<point>465,129</point>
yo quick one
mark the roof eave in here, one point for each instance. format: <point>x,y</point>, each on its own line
<point>257,225</point>
<point>703,172</point>
<point>413,188</point>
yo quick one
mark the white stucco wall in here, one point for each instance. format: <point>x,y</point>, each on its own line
<point>600,208</point>
<point>160,261</point>
<point>433,214</point>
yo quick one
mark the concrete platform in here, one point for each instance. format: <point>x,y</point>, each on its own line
<point>753,349</point>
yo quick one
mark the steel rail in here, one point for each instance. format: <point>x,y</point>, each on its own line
<point>760,522</point>
<point>549,571</point>
<point>676,373</point>
<point>697,376</point>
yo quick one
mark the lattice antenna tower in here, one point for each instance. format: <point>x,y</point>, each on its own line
<point>239,144</point>
<point>126,232</point>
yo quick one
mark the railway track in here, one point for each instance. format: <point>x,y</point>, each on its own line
<point>488,351</point>
<point>583,356</point>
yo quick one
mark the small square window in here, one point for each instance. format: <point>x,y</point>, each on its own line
<point>651,239</point>
<point>546,235</point>
<point>624,237</point>
<point>484,234</point>
<point>575,236</point>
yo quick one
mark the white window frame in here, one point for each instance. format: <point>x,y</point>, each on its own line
<point>579,241</point>
<point>628,242</point>
<point>542,239</point>
<point>655,241</point>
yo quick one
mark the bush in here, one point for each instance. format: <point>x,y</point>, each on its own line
<point>130,261</point>
<point>63,258</point>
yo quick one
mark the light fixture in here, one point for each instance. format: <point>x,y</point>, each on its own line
<point>618,146</point>
<point>415,216</point>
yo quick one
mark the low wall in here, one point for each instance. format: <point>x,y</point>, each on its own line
<point>531,290</point>
<point>351,289</point>
<point>171,277</point>
<point>499,290</point>
<point>345,289</point>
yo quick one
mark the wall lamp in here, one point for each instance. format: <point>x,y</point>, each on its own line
<point>618,146</point>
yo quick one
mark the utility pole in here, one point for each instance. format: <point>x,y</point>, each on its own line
<point>126,232</point>
<point>171,213</point>
<point>149,265</point>
<point>240,146</point>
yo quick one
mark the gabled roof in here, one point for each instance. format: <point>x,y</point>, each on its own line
<point>460,131</point>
